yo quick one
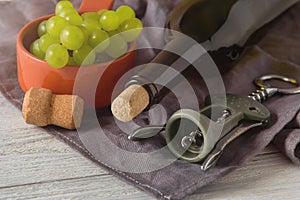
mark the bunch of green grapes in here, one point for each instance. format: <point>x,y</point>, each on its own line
<point>70,38</point>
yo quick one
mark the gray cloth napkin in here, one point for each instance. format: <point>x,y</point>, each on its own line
<point>277,53</point>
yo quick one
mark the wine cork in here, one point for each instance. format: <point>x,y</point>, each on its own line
<point>41,108</point>
<point>131,102</point>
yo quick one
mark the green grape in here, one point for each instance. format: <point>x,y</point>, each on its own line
<point>71,61</point>
<point>84,56</point>
<point>90,15</point>
<point>71,37</point>
<point>112,33</point>
<point>62,5</point>
<point>125,12</point>
<point>42,28</point>
<point>35,50</point>
<point>66,11</point>
<point>101,12</point>
<point>86,34</point>
<point>117,47</point>
<point>57,56</point>
<point>55,25</point>
<point>131,29</point>
<point>45,41</point>
<point>91,25</point>
<point>109,21</point>
<point>74,19</point>
<point>99,40</point>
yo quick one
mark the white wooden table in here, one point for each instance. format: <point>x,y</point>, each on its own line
<point>34,165</point>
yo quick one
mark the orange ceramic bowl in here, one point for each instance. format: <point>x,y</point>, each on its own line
<point>34,72</point>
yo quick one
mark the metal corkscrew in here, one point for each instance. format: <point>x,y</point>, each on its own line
<point>202,137</point>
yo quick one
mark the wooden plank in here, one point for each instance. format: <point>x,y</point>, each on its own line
<point>44,167</point>
<point>271,177</point>
<point>29,141</point>
<point>10,118</point>
<point>98,187</point>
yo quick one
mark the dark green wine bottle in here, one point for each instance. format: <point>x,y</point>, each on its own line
<point>199,19</point>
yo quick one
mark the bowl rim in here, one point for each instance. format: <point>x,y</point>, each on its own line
<point>20,45</point>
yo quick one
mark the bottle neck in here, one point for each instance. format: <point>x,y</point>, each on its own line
<point>231,3</point>
<point>151,88</point>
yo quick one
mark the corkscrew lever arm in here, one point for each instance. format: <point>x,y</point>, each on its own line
<point>213,157</point>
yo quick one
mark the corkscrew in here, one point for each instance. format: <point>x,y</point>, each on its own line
<point>202,136</point>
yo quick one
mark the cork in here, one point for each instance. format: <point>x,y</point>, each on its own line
<point>41,108</point>
<point>131,102</point>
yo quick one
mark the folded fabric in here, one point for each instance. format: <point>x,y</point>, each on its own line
<point>276,53</point>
